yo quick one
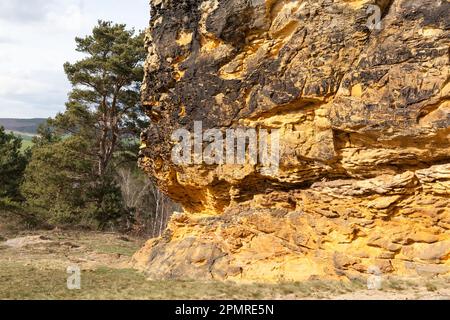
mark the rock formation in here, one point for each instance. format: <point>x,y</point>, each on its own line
<point>363,112</point>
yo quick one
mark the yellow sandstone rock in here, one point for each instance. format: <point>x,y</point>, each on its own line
<point>364,122</point>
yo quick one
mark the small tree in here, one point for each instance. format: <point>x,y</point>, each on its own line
<point>57,179</point>
<point>12,165</point>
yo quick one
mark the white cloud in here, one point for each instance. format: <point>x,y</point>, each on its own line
<point>14,85</point>
<point>59,13</point>
<point>23,10</point>
<point>37,37</point>
<point>67,16</point>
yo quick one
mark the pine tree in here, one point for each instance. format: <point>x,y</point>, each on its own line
<point>71,175</point>
<point>105,101</point>
<point>12,165</point>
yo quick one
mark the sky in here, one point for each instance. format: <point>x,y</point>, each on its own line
<point>38,36</point>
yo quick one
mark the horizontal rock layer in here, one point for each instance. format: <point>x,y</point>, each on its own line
<point>364,121</point>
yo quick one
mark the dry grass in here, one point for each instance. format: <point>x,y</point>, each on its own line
<point>38,271</point>
<point>28,282</point>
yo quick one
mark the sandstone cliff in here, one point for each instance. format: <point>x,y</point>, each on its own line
<point>364,119</point>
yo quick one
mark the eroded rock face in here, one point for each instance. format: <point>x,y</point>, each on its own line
<point>364,122</point>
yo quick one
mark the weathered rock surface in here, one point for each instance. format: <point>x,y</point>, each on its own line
<point>364,118</point>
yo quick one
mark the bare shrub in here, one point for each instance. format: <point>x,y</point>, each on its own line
<point>150,209</point>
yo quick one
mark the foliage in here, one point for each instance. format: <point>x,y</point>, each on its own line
<point>83,168</point>
<point>104,104</point>
<point>75,175</point>
<point>12,165</point>
<point>150,209</point>
<point>57,178</point>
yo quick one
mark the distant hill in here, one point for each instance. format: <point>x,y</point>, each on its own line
<point>26,126</point>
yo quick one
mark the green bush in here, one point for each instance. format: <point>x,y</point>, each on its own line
<point>12,165</point>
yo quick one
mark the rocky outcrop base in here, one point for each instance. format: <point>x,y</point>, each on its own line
<point>399,225</point>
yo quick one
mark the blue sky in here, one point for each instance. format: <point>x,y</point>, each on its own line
<point>37,38</point>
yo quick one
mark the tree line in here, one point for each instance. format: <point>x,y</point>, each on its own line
<point>82,169</point>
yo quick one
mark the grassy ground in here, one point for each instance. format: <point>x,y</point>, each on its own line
<point>26,141</point>
<point>26,144</point>
<point>34,267</point>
